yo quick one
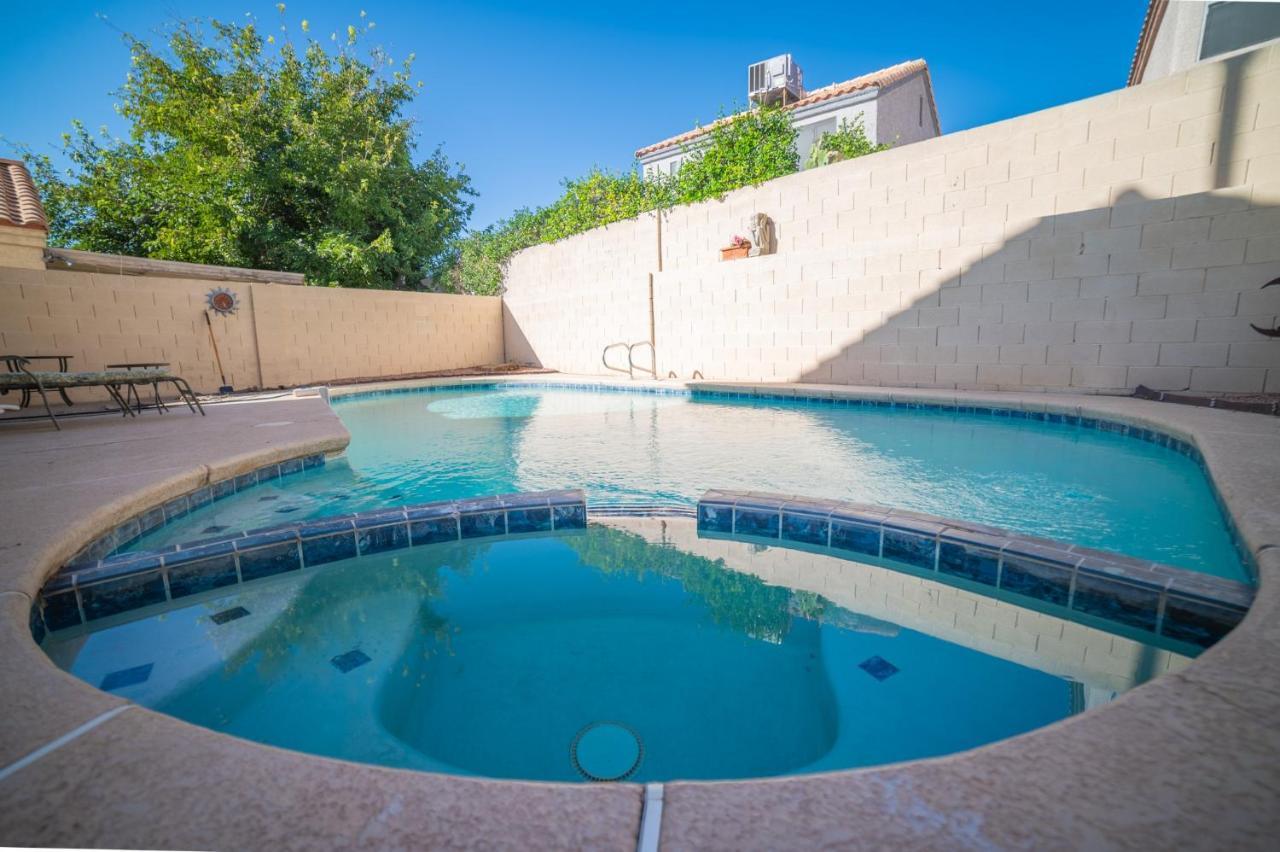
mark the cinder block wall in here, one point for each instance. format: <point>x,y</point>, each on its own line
<point>1116,241</point>
<point>281,335</point>
<point>578,295</point>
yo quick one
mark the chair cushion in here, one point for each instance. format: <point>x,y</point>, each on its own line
<point>86,379</point>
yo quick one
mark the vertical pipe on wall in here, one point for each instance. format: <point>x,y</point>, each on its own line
<point>653,343</point>
<point>658,214</point>
<point>253,325</point>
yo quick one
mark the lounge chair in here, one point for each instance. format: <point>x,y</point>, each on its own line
<point>111,380</point>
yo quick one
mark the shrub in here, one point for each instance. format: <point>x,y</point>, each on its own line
<point>844,144</point>
<point>747,148</point>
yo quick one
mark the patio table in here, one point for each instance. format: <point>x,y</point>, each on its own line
<point>11,363</point>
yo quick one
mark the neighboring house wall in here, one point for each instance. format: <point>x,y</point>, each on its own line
<point>668,163</point>
<point>281,335</point>
<point>1186,30</point>
<point>1177,42</point>
<point>900,114</point>
<point>1116,241</point>
<point>904,114</point>
<point>812,122</point>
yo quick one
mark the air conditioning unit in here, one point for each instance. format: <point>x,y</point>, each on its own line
<point>775,80</point>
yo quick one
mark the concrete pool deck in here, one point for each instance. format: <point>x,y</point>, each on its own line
<point>1191,759</point>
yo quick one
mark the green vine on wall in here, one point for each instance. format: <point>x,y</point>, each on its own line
<point>747,148</point>
<point>848,142</point>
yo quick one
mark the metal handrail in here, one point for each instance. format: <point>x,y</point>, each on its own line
<point>604,359</point>
<point>652,369</point>
<point>632,366</point>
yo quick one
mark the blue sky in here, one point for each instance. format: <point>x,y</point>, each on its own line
<point>525,94</point>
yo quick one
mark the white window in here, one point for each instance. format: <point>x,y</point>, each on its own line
<point>1231,26</point>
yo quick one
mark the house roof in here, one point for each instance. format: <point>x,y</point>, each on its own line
<point>876,79</point>
<point>1146,39</point>
<point>20,205</point>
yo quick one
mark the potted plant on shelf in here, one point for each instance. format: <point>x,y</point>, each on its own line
<point>738,248</point>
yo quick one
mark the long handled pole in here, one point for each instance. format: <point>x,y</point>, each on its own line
<point>226,388</point>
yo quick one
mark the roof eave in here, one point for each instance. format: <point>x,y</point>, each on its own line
<point>1146,40</point>
<point>646,154</point>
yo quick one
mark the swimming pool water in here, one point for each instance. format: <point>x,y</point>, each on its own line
<point>1065,482</point>
<point>490,658</point>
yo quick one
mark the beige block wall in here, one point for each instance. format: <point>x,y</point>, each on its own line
<point>281,335</point>
<point>22,248</point>
<point>1116,241</point>
<point>580,294</point>
<point>314,334</point>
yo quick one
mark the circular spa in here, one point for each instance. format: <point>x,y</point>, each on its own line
<point>645,602</point>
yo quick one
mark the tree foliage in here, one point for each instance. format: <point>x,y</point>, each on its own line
<point>844,144</point>
<point>245,152</point>
<point>478,262</point>
<point>747,148</point>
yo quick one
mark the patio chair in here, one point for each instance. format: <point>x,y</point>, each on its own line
<point>110,380</point>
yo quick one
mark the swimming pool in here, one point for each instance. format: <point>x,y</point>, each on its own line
<point>634,649</point>
<point>1063,481</point>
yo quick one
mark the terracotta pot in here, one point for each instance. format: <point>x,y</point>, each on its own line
<point>734,252</point>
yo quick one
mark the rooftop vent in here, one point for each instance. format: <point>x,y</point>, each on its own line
<point>776,80</point>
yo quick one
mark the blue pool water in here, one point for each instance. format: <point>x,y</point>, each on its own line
<point>512,658</point>
<point>1071,483</point>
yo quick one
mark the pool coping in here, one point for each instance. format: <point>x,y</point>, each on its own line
<point>126,582</point>
<point>1160,602</point>
<point>1208,728</point>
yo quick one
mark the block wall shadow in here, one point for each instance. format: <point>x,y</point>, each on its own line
<point>1145,291</point>
<point>1138,292</point>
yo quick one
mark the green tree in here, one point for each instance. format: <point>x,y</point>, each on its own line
<point>477,263</point>
<point>601,198</point>
<point>844,144</point>
<point>245,152</point>
<point>748,148</point>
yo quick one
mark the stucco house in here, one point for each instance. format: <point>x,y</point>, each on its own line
<point>896,105</point>
<point>1177,34</point>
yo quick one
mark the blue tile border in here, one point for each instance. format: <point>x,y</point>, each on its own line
<point>1175,443</point>
<point>127,533</point>
<point>126,581</point>
<point>1173,603</point>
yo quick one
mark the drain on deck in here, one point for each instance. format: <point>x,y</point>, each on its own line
<point>606,751</point>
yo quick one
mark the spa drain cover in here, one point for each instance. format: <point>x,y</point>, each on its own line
<point>606,751</point>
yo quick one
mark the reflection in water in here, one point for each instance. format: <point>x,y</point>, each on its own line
<point>735,600</point>
<point>1107,664</point>
<point>729,660</point>
<point>1063,482</point>
<point>536,655</point>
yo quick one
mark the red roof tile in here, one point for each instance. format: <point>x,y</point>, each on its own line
<point>876,79</point>
<point>19,201</point>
